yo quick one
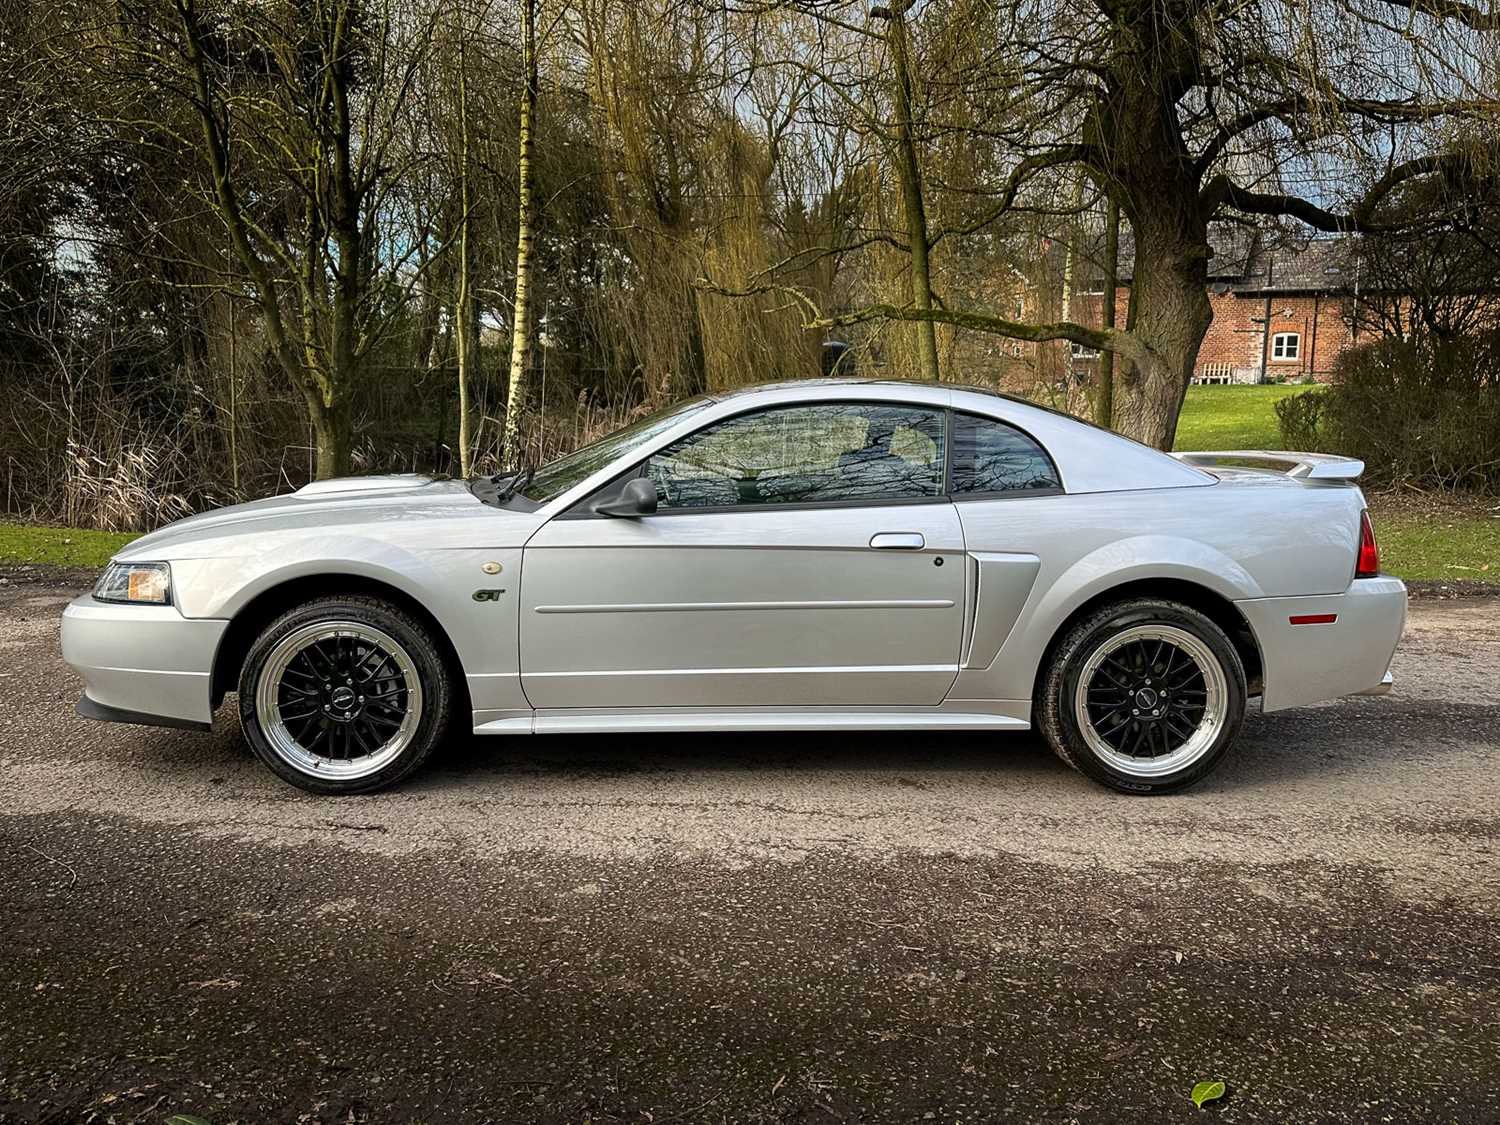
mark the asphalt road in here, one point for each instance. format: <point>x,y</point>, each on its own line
<point>751,929</point>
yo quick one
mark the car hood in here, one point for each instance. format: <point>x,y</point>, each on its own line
<point>372,501</point>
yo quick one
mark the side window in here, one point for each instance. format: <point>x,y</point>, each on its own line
<point>989,456</point>
<point>819,453</point>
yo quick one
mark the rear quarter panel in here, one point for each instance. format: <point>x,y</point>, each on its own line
<point>1250,539</point>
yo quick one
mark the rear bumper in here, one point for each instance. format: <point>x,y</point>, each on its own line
<point>1325,659</point>
<point>142,664</point>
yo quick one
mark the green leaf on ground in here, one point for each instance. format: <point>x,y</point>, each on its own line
<point>187,1119</point>
<point>1207,1092</point>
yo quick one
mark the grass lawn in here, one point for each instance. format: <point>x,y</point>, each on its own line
<point>1435,539</point>
<point>58,546</point>
<point>1231,417</point>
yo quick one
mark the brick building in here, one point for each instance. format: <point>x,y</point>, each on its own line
<point>1282,312</point>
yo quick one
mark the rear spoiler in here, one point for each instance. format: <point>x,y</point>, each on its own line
<point>1304,466</point>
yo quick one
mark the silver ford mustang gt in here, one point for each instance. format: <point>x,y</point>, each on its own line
<point>830,556</point>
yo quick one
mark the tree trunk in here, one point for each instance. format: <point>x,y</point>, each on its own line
<point>520,345</point>
<point>1104,405</point>
<point>1170,296</point>
<point>332,434</point>
<point>462,309</point>
<point>909,170</point>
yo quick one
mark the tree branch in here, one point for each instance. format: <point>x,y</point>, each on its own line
<point>1370,109</point>
<point>1359,219</point>
<point>1028,167</point>
<point>1115,340</point>
<point>1467,14</point>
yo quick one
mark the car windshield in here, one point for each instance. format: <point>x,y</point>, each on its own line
<point>553,480</point>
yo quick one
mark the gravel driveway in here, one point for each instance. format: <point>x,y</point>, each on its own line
<point>747,928</point>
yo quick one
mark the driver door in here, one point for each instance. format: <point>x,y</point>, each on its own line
<point>800,555</point>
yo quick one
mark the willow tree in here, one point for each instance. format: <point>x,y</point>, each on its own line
<point>1185,113</point>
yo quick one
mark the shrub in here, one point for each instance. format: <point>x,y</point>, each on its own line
<point>1421,411</point>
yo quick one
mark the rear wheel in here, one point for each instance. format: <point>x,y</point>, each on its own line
<point>344,695</point>
<point>1144,696</point>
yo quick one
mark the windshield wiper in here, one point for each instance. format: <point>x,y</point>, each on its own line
<point>518,480</point>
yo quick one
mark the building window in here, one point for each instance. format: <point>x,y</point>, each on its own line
<point>1082,352</point>
<point>1286,346</point>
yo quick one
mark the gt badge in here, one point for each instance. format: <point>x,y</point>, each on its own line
<point>487,595</point>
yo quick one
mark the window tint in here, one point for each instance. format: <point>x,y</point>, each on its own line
<point>989,456</point>
<point>815,454</point>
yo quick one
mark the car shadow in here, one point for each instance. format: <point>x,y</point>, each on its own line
<point>1347,739</point>
<point>892,752</point>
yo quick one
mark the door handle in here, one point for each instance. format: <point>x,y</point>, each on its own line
<point>898,541</point>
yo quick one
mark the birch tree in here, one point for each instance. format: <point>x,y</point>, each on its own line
<point>521,310</point>
<point>463,303</point>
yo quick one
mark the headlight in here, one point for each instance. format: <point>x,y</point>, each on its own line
<point>148,583</point>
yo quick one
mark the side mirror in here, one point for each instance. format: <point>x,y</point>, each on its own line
<point>634,498</point>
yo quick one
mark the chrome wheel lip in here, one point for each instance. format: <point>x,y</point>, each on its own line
<point>1210,726</point>
<point>286,747</point>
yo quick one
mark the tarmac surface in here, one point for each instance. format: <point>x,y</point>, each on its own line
<point>743,928</point>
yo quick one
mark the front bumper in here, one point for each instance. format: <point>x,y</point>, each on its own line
<point>142,663</point>
<point>1349,655</point>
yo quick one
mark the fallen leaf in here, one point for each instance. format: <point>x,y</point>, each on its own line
<point>1207,1092</point>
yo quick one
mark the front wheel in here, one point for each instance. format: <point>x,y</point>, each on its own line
<point>344,695</point>
<point>1144,696</point>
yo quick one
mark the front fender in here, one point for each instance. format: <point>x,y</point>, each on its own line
<point>222,587</point>
<point>445,581</point>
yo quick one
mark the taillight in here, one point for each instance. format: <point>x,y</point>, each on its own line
<point>1369,550</point>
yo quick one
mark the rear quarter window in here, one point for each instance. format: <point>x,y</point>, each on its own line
<point>990,457</point>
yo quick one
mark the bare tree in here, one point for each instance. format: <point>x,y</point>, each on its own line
<point>297,109</point>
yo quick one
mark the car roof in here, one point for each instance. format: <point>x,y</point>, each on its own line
<point>936,387</point>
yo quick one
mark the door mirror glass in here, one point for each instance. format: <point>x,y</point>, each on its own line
<point>629,499</point>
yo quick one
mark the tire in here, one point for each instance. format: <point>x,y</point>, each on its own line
<point>328,737</point>
<point>1154,724</point>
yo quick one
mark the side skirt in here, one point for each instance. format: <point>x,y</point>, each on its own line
<point>1011,715</point>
